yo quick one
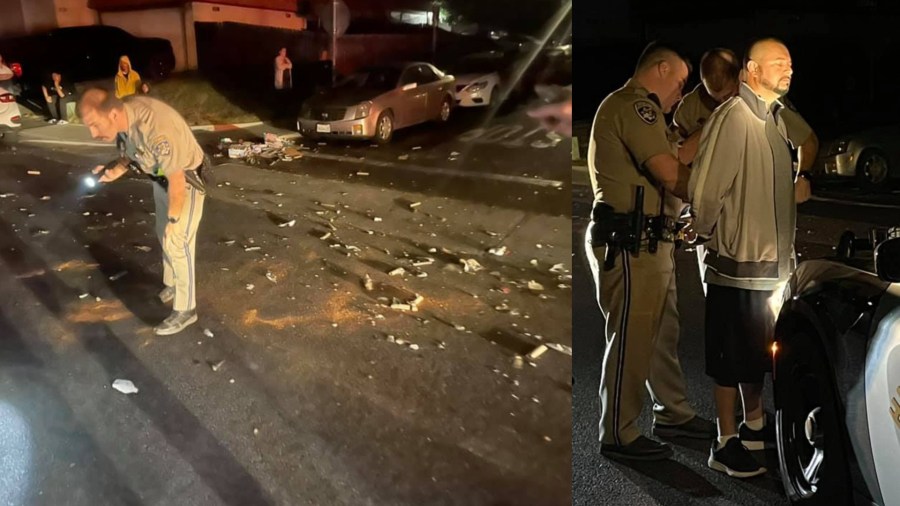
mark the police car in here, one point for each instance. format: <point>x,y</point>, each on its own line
<point>836,373</point>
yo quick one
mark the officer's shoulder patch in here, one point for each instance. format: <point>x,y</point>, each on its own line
<point>161,146</point>
<point>646,111</point>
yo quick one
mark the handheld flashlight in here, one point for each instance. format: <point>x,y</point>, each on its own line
<point>92,180</point>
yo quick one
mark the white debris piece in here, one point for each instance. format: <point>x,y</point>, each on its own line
<point>216,366</point>
<point>34,173</point>
<point>288,224</point>
<point>535,286</point>
<point>145,249</point>
<point>125,386</point>
<point>534,262</point>
<point>250,286</point>
<point>558,269</point>
<point>414,347</point>
<point>362,173</point>
<point>252,248</point>
<point>45,197</point>
<point>415,205</point>
<point>229,243</point>
<point>325,236</point>
<point>423,262</point>
<point>454,153</point>
<point>83,296</point>
<point>416,148</point>
<point>567,350</point>
<point>208,333</point>
<point>537,352</point>
<point>403,157</point>
<point>271,277</point>
<point>399,271</point>
<point>376,219</point>
<point>7,195</point>
<point>498,251</point>
<point>368,284</point>
<point>471,265</point>
<point>118,275</point>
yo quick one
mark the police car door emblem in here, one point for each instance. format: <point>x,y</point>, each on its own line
<point>645,111</point>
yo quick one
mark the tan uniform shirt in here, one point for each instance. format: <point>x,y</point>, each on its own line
<point>693,111</point>
<point>629,129</point>
<point>159,139</point>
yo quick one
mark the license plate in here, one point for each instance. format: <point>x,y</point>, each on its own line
<point>323,128</point>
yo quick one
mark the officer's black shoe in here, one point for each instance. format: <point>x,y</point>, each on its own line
<point>734,459</point>
<point>758,439</point>
<point>696,428</point>
<point>176,322</point>
<point>641,448</point>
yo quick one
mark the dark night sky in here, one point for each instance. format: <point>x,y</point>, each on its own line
<point>842,56</point>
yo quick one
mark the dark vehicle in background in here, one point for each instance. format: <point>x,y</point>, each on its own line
<point>836,375</point>
<point>374,102</point>
<point>85,53</point>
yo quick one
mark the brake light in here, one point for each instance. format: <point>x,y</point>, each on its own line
<point>17,69</point>
<point>7,98</point>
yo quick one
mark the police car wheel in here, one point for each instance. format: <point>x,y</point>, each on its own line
<point>873,170</point>
<point>810,433</point>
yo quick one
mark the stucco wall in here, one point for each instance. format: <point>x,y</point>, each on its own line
<point>39,15</point>
<point>75,13</point>
<point>164,23</point>
<point>213,13</point>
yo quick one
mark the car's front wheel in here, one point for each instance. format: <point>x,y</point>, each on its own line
<point>873,170</point>
<point>384,129</point>
<point>809,427</point>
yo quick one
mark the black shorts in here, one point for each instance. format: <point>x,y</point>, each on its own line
<point>740,327</point>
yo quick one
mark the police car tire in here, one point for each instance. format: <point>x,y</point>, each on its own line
<point>802,354</point>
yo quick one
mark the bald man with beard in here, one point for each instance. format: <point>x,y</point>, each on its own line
<point>742,194</point>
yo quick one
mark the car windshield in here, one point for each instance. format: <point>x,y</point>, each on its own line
<point>383,78</point>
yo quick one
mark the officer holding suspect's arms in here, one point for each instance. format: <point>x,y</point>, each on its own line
<point>155,140</point>
<point>633,167</point>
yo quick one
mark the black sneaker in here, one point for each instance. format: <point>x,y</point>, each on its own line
<point>756,440</point>
<point>696,428</point>
<point>734,459</point>
<point>641,448</point>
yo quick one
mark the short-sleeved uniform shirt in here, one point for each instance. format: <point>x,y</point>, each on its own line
<point>159,139</point>
<point>695,108</point>
<point>629,129</point>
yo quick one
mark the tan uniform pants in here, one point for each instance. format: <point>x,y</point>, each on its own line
<point>180,248</point>
<point>638,298</point>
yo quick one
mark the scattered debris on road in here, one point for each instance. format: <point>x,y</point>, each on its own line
<point>125,386</point>
<point>208,333</point>
<point>34,173</point>
<point>117,276</point>
<point>215,366</point>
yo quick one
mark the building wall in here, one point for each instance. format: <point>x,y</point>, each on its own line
<point>12,22</point>
<point>39,15</point>
<point>163,23</point>
<point>75,13</point>
<point>217,13</point>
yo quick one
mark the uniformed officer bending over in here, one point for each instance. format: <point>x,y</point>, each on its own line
<point>629,149</point>
<point>154,138</point>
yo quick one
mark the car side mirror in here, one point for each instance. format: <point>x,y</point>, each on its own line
<point>410,86</point>
<point>887,258</point>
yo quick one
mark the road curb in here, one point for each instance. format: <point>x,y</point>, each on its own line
<point>225,128</point>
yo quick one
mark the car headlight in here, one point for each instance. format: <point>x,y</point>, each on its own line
<point>480,85</point>
<point>363,110</point>
<point>839,147</point>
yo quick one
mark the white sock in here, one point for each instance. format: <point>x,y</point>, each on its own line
<point>721,440</point>
<point>757,424</point>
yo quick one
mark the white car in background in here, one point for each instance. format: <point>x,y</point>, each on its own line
<point>10,116</point>
<point>478,79</point>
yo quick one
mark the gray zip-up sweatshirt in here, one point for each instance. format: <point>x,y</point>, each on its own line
<point>742,195</point>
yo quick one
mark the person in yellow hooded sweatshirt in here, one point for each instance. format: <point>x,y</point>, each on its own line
<point>128,81</point>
